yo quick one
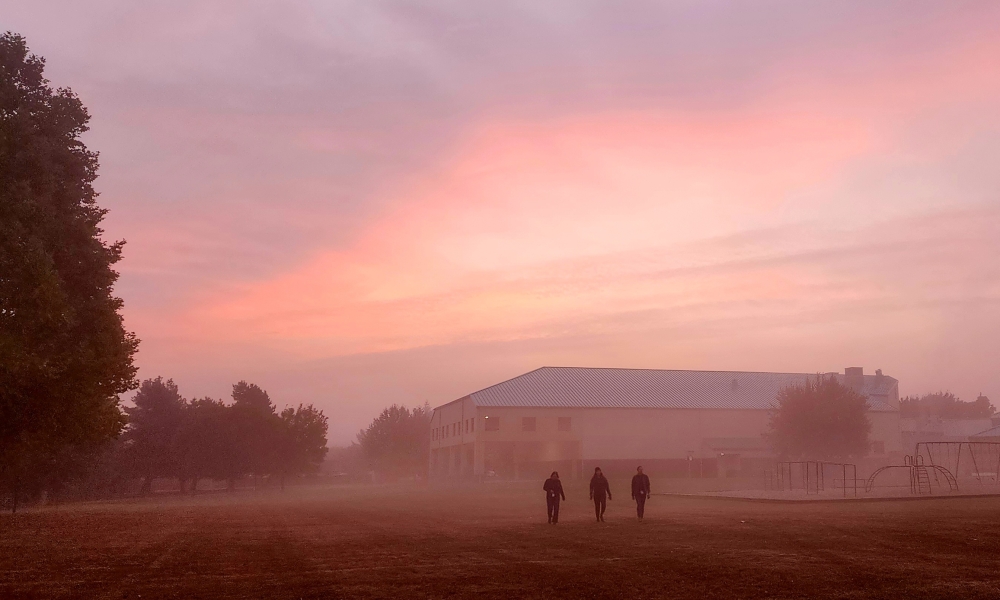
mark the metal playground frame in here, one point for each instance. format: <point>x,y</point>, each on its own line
<point>926,468</point>
<point>920,481</point>
<point>988,456</point>
<point>813,476</point>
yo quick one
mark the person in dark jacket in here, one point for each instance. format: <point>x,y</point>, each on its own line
<point>600,493</point>
<point>640,491</point>
<point>553,491</point>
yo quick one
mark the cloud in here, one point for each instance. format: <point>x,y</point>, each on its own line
<point>366,190</point>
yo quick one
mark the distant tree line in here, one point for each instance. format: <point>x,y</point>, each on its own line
<point>945,405</point>
<point>170,437</point>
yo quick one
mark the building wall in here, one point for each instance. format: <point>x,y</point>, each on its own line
<point>453,440</point>
<point>461,444</point>
<point>936,429</point>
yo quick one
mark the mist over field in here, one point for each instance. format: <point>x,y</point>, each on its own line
<point>466,299</point>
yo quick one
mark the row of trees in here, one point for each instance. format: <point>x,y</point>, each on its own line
<point>168,436</point>
<point>945,405</point>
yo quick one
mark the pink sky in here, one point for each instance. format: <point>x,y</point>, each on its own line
<point>360,203</point>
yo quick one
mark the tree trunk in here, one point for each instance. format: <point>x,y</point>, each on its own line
<point>17,493</point>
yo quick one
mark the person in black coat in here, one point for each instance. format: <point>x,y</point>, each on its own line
<point>553,491</point>
<point>600,493</point>
<point>640,491</point>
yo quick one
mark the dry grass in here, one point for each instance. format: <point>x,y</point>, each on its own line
<point>492,542</point>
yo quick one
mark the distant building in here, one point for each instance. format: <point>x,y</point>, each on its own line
<point>938,429</point>
<point>698,423</point>
<point>991,434</point>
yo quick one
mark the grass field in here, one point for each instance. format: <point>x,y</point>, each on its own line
<point>492,541</point>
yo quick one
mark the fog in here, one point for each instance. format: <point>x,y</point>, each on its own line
<point>396,299</point>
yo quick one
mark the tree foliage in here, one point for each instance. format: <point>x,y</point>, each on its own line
<point>255,427</point>
<point>301,441</point>
<point>396,442</point>
<point>820,420</point>
<point>155,424</point>
<point>170,437</point>
<point>945,405</point>
<point>65,356</point>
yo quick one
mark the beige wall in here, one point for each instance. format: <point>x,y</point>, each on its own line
<point>628,433</point>
<point>885,429</point>
<point>601,434</point>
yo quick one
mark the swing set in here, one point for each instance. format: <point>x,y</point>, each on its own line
<point>940,464</point>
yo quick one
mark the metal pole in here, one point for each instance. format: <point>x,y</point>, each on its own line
<point>958,461</point>
<point>974,465</point>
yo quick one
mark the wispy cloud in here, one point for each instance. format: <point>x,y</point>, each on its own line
<point>316,192</point>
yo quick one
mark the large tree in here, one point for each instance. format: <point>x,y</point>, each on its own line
<point>820,420</point>
<point>205,443</point>
<point>301,440</point>
<point>65,356</point>
<point>255,429</point>
<point>154,427</point>
<point>396,442</point>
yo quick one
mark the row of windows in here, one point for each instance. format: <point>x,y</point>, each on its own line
<point>493,424</point>
<point>446,431</point>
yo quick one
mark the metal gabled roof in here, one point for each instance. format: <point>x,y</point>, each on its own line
<point>581,387</point>
<point>992,432</point>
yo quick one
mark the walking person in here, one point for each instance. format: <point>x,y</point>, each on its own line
<point>640,491</point>
<point>600,493</point>
<point>553,491</point>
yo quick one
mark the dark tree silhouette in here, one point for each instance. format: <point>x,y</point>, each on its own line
<point>206,446</point>
<point>65,356</point>
<point>396,442</point>
<point>154,427</point>
<point>301,441</point>
<point>820,420</point>
<point>255,432</point>
<point>945,405</point>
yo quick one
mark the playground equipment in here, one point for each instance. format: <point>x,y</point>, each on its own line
<point>814,474</point>
<point>978,456</point>
<point>920,475</point>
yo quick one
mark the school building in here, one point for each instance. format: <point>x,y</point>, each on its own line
<point>675,423</point>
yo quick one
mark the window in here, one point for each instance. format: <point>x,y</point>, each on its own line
<point>466,426</point>
<point>878,447</point>
<point>528,423</point>
<point>492,423</point>
<point>565,424</point>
